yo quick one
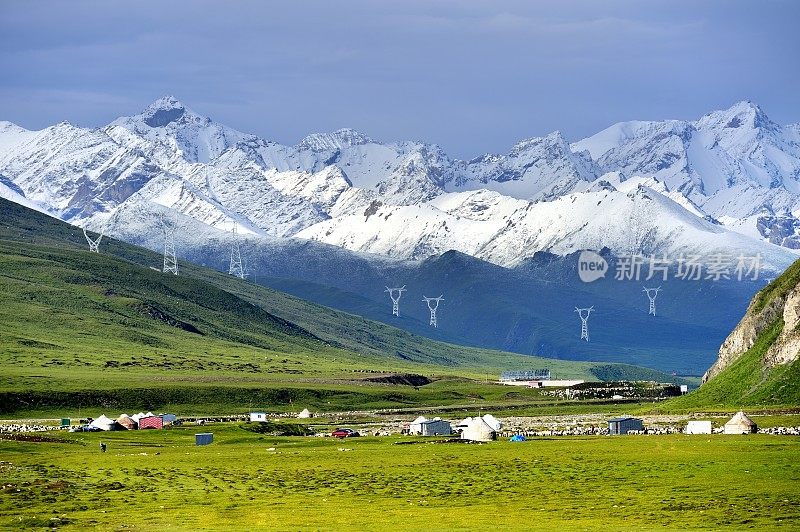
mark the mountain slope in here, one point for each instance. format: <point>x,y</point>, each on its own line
<point>507,231</point>
<point>759,363</point>
<point>74,320</point>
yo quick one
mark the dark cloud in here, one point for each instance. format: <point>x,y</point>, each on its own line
<point>473,76</point>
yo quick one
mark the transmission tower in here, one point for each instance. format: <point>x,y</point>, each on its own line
<point>433,304</point>
<point>584,315</point>
<point>236,267</point>
<point>170,260</point>
<point>652,293</point>
<point>395,300</point>
<point>94,245</point>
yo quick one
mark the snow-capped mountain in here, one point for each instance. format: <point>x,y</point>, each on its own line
<point>508,231</point>
<point>729,181</point>
<point>179,132</point>
<point>733,165</point>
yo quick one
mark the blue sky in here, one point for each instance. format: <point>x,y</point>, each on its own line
<point>472,76</point>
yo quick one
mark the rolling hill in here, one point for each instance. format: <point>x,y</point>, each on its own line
<point>79,329</point>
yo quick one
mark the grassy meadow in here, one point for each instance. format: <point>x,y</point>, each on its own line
<point>160,480</point>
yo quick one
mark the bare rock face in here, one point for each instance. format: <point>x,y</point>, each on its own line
<point>784,350</point>
<point>787,347</point>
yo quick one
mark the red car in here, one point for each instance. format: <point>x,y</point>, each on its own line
<point>345,433</point>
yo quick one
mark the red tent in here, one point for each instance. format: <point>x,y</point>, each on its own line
<point>151,422</point>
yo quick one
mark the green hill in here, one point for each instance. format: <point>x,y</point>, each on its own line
<point>758,364</point>
<point>87,330</point>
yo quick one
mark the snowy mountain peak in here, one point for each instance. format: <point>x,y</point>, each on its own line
<point>336,140</point>
<point>168,110</point>
<point>741,115</point>
<point>166,102</point>
<point>552,140</point>
<point>168,128</point>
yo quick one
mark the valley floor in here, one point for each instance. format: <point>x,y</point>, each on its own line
<point>152,480</point>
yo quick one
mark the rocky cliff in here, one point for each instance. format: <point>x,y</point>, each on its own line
<point>778,301</point>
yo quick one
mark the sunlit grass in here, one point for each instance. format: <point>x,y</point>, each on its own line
<point>159,479</point>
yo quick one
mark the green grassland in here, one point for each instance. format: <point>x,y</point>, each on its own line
<point>84,333</point>
<point>156,480</point>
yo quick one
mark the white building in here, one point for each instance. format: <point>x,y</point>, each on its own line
<point>544,383</point>
<point>423,426</point>
<point>698,427</point>
<point>258,416</point>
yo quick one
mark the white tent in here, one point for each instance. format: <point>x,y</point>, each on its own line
<point>740,424</point>
<point>698,427</point>
<point>305,414</point>
<point>140,415</point>
<point>493,422</point>
<point>415,427</point>
<point>478,430</point>
<point>103,423</point>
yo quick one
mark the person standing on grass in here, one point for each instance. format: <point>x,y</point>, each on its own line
<point>102,447</point>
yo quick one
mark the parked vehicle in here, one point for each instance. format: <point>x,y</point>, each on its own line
<point>84,428</point>
<point>345,433</point>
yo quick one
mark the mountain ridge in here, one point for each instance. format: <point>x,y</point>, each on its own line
<point>85,175</point>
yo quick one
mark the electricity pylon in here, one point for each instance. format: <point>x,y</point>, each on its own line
<point>432,307</point>
<point>236,267</point>
<point>170,260</point>
<point>584,321</point>
<point>94,245</point>
<point>652,293</point>
<point>395,300</point>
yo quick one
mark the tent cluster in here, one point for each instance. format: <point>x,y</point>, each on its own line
<point>137,421</point>
<point>484,428</point>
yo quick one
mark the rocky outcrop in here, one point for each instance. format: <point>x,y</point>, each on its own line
<point>786,347</point>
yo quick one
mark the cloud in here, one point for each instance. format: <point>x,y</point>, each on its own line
<point>474,76</point>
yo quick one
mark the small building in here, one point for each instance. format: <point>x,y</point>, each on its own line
<point>430,427</point>
<point>203,438</point>
<point>140,415</point>
<point>511,377</point>
<point>305,414</point>
<point>698,427</point>
<point>740,424</point>
<point>169,419</point>
<point>624,424</point>
<point>151,422</point>
<point>66,422</point>
<point>258,416</point>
